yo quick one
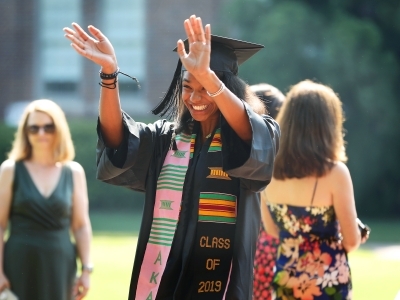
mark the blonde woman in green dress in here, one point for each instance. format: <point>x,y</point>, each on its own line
<point>43,196</point>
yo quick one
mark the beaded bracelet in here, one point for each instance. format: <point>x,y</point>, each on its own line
<point>109,76</point>
<point>221,89</point>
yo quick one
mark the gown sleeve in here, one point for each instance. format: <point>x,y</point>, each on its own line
<point>128,164</point>
<point>253,162</point>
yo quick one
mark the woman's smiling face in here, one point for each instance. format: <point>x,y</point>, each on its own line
<point>201,106</point>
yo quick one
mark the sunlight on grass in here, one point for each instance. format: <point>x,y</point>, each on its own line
<point>374,276</point>
<point>113,259</point>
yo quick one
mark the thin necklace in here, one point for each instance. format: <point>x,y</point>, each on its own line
<point>207,136</point>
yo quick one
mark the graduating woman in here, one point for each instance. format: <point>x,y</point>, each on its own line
<point>201,172</point>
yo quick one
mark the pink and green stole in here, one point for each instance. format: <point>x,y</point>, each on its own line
<point>165,218</point>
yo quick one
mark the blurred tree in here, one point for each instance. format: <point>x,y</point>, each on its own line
<point>385,14</point>
<point>326,43</point>
<point>6,138</point>
<point>364,74</point>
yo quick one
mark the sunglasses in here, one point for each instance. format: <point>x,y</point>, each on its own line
<point>47,128</point>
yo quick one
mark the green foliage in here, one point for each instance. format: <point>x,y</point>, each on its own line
<point>325,43</point>
<point>6,138</point>
<point>118,222</point>
<point>364,75</point>
<point>101,195</point>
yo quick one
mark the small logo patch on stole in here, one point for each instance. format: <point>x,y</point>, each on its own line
<point>179,154</point>
<point>166,204</point>
<point>217,173</point>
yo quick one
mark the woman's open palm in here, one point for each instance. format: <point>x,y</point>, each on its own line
<point>197,61</point>
<point>97,48</point>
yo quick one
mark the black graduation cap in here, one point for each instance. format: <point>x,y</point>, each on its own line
<point>226,56</point>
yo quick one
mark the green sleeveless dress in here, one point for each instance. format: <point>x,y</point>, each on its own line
<point>39,257</point>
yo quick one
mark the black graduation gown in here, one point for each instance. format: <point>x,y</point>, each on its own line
<point>137,163</point>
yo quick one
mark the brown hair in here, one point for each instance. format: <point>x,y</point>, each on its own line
<point>63,147</point>
<point>311,122</point>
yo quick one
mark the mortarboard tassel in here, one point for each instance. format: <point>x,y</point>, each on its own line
<point>169,105</point>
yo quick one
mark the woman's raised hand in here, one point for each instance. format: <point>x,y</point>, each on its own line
<point>97,48</point>
<point>197,61</point>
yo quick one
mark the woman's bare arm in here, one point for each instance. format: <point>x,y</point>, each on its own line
<point>269,224</point>
<point>81,227</point>
<point>6,181</point>
<point>99,50</point>
<point>344,204</point>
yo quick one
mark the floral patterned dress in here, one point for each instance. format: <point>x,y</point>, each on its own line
<point>312,263</point>
<point>264,264</point>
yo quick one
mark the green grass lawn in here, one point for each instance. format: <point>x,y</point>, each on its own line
<point>114,243</point>
<point>113,259</point>
<point>374,277</point>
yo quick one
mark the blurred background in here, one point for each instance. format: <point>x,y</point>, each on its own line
<point>352,46</point>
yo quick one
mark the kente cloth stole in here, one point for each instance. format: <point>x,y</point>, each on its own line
<point>212,253</point>
<point>165,218</point>
<point>211,259</point>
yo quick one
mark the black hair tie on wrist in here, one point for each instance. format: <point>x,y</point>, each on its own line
<point>114,76</point>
